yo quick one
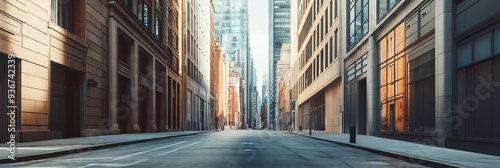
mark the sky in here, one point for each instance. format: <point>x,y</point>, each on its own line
<point>258,12</point>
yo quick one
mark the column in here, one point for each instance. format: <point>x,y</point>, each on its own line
<point>113,76</point>
<point>135,86</point>
<point>152,96</point>
<point>444,70</point>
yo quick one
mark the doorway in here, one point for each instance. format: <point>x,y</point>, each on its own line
<point>361,110</point>
<point>124,99</point>
<point>143,108</point>
<point>160,116</point>
<point>65,102</point>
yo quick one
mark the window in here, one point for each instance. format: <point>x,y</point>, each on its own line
<point>384,6</point>
<point>67,14</point>
<point>144,12</point>
<point>333,51</point>
<point>407,88</point>
<point>321,61</point>
<point>159,28</point>
<point>124,49</point>
<point>326,22</point>
<point>327,55</point>
<point>336,32</point>
<point>358,21</point>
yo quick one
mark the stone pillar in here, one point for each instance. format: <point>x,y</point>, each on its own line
<point>113,76</point>
<point>372,89</point>
<point>444,70</point>
<point>152,96</point>
<point>135,87</point>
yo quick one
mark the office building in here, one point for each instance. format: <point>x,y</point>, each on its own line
<point>279,33</point>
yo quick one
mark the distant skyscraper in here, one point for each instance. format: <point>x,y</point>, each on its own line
<point>279,31</point>
<point>231,29</point>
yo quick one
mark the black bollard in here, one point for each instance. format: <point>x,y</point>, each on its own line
<point>352,132</point>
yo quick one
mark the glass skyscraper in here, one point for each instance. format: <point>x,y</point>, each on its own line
<point>279,33</point>
<point>231,29</point>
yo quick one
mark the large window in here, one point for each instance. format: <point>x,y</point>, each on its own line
<point>384,6</point>
<point>478,82</point>
<point>407,85</point>
<point>144,12</point>
<point>358,21</point>
<point>67,14</point>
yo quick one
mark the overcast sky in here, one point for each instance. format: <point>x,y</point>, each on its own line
<point>258,12</point>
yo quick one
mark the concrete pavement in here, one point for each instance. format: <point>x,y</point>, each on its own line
<point>246,148</point>
<point>424,154</point>
<point>57,147</point>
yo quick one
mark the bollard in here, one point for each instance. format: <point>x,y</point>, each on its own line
<point>352,133</point>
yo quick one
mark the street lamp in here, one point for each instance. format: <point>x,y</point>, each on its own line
<point>310,122</point>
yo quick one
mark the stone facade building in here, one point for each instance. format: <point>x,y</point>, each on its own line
<point>90,68</point>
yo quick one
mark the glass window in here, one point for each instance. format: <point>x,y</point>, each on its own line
<point>358,17</point>
<point>464,55</point>
<point>383,50</point>
<point>482,47</point>
<point>321,61</point>
<point>400,37</point>
<point>390,45</point>
<point>383,76</point>
<point>482,115</point>
<point>383,6</point>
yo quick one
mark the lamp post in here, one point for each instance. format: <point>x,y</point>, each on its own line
<point>310,122</point>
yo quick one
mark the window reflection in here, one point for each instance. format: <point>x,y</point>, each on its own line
<point>406,87</point>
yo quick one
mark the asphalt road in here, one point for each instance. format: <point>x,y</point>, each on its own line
<point>231,149</point>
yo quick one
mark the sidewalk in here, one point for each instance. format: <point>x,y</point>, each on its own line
<point>57,147</point>
<point>424,154</point>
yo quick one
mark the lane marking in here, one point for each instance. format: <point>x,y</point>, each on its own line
<point>116,164</point>
<point>123,157</point>
<point>135,154</point>
<point>179,148</point>
<point>31,148</point>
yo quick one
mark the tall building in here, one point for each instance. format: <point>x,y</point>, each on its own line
<point>196,64</point>
<point>214,73</point>
<point>235,101</point>
<point>282,85</point>
<point>318,92</point>
<point>89,68</point>
<point>420,71</point>
<point>279,33</point>
<point>231,29</point>
<point>222,85</point>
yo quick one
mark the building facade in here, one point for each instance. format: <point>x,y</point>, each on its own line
<point>318,89</point>
<point>89,68</point>
<point>235,102</point>
<point>196,64</point>
<point>144,70</point>
<point>231,29</point>
<point>279,33</point>
<point>422,71</point>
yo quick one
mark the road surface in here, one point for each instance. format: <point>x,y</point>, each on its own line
<point>231,149</point>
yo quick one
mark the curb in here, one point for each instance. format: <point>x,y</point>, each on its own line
<point>396,155</point>
<point>63,152</point>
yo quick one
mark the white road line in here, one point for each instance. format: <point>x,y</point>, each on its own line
<point>123,157</point>
<point>40,167</point>
<point>79,159</point>
<point>31,148</point>
<point>178,148</point>
<point>119,164</point>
